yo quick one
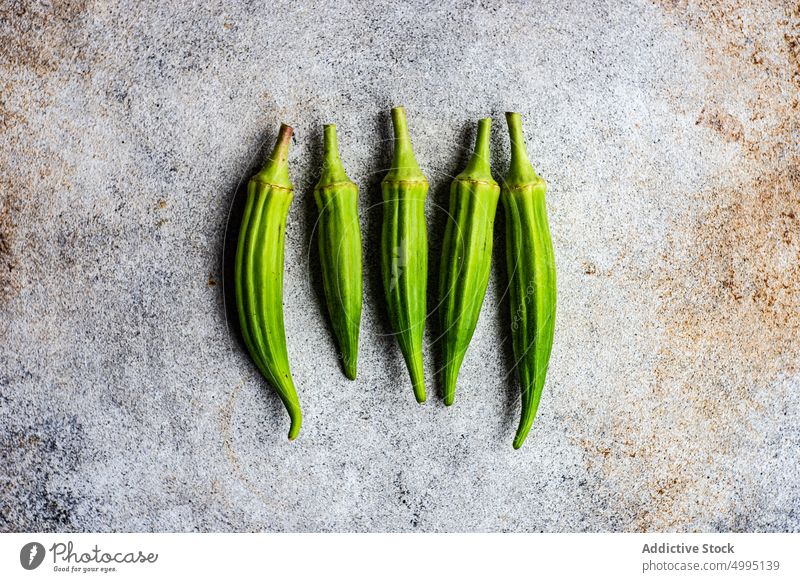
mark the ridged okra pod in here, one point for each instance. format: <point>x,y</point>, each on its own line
<point>466,256</point>
<point>532,275</point>
<point>404,250</point>
<point>259,274</point>
<point>339,236</point>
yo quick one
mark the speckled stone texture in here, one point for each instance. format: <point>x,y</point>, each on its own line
<point>668,134</point>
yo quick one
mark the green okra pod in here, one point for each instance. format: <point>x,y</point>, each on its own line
<point>466,256</point>
<point>404,250</point>
<point>258,274</point>
<point>339,235</point>
<point>532,275</point>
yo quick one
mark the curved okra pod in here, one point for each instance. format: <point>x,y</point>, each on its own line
<point>258,274</point>
<point>532,275</point>
<point>404,250</point>
<point>466,256</point>
<point>340,250</point>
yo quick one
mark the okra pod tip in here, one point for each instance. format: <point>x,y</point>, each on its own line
<point>276,170</point>
<point>296,419</point>
<point>332,168</point>
<point>404,163</point>
<point>478,167</point>
<point>520,170</point>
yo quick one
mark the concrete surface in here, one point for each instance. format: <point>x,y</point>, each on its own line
<point>668,133</point>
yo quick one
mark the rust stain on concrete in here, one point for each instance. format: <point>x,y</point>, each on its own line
<point>722,122</point>
<point>36,35</point>
<point>36,41</point>
<point>728,283</point>
<point>9,286</point>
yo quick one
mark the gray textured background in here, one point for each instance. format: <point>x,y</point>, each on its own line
<point>668,133</point>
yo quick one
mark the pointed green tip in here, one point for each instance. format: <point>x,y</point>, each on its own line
<point>478,167</point>
<point>296,417</point>
<point>399,120</point>
<point>400,126</point>
<point>417,373</point>
<point>294,429</point>
<point>276,170</point>
<point>449,377</point>
<point>404,163</point>
<point>350,367</point>
<point>332,168</point>
<point>520,170</point>
<point>330,143</point>
<point>520,437</point>
<point>482,139</point>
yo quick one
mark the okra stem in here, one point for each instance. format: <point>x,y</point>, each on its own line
<point>404,163</point>
<point>276,170</point>
<point>332,170</point>
<point>520,170</point>
<point>478,165</point>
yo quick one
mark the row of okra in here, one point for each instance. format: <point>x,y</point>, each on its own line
<point>464,273</point>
